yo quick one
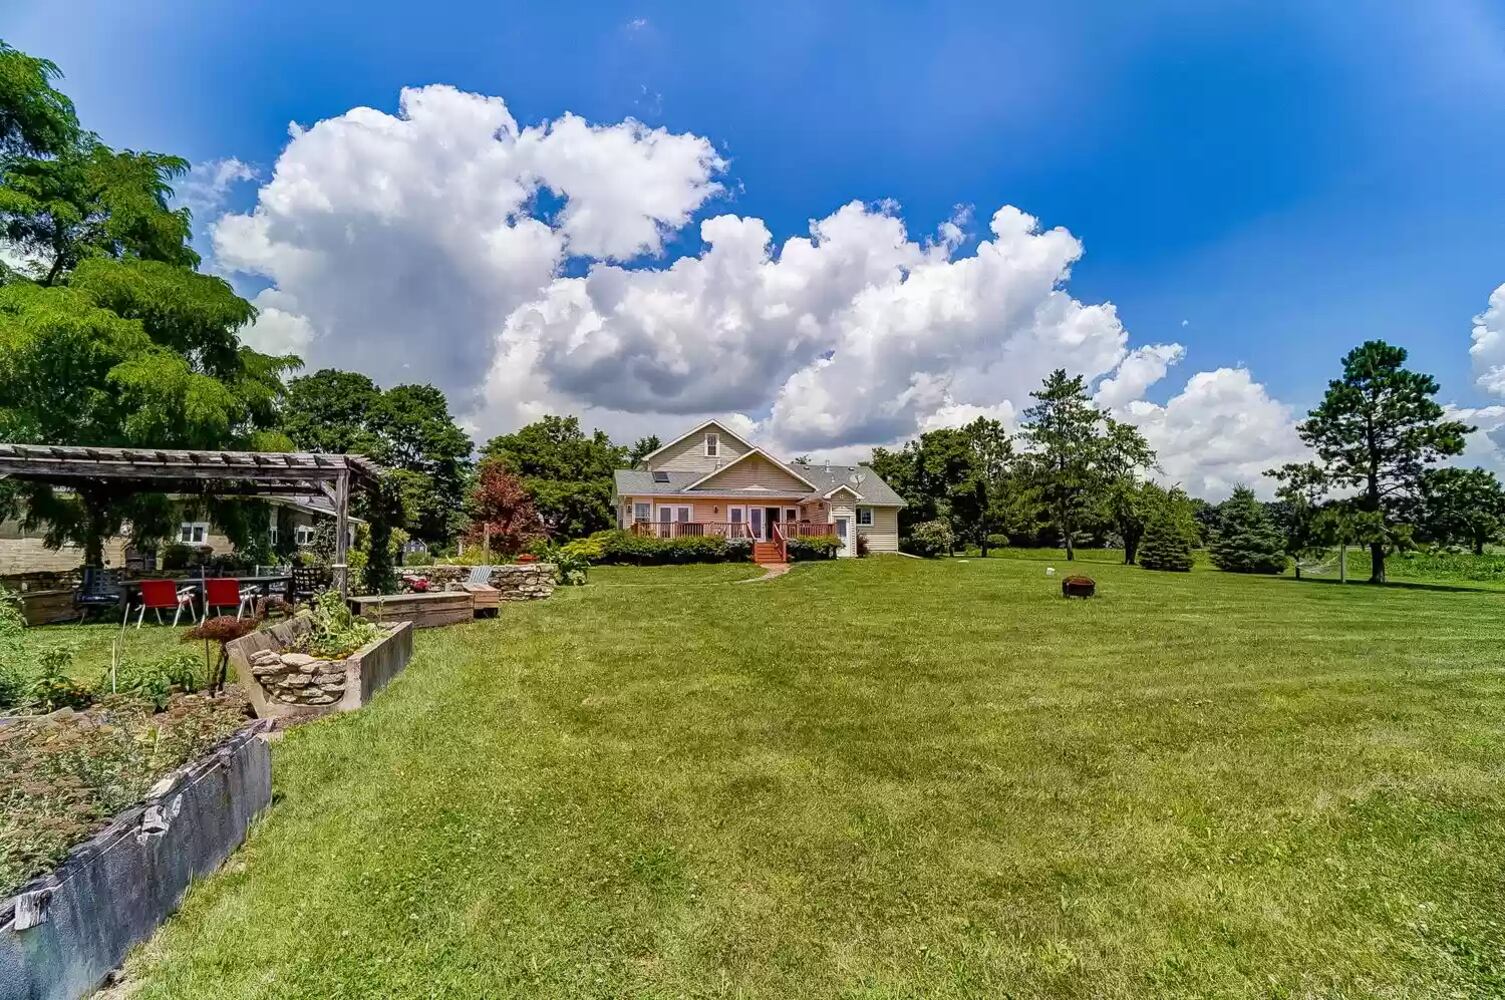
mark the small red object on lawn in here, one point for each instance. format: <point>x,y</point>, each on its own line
<point>1078,586</point>
<point>527,557</point>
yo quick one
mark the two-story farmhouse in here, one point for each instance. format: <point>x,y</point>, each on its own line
<point>712,481</point>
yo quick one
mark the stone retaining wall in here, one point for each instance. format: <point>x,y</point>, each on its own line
<point>524,581</point>
<point>514,581</point>
<point>280,682</point>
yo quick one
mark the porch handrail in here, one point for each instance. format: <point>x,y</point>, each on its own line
<point>783,543</point>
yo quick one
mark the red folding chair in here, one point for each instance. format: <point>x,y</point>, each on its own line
<point>158,595</point>
<point>227,593</point>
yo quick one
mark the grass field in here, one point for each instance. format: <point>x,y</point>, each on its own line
<point>891,778</point>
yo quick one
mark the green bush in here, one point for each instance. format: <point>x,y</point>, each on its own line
<point>1246,540</point>
<point>591,549</point>
<point>52,688</point>
<point>813,547</point>
<point>998,541</point>
<point>154,681</point>
<point>1166,544</point>
<point>570,569</point>
<point>929,539</point>
<point>626,549</point>
<point>334,631</point>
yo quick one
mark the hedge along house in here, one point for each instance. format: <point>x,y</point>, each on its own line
<point>711,481</point>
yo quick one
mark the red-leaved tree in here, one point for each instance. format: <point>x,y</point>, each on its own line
<point>504,519</point>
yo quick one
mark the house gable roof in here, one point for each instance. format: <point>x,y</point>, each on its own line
<point>751,451</point>
<point>838,488</point>
<point>718,424</point>
<point>872,491</point>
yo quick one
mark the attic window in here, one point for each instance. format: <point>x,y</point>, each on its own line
<point>712,444</point>
<point>660,477</point>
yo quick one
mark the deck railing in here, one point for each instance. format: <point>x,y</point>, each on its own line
<point>807,529</point>
<point>691,529</point>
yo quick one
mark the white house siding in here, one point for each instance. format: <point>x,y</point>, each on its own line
<point>689,455</point>
<point>883,534</point>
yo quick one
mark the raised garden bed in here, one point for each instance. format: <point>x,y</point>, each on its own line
<point>62,932</point>
<point>281,681</point>
<point>429,610</point>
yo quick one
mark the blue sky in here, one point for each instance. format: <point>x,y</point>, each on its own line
<point>1265,183</point>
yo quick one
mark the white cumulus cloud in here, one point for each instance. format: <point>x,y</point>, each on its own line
<point>1488,350</point>
<point>522,269</point>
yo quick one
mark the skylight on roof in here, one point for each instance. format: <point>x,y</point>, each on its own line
<point>660,477</point>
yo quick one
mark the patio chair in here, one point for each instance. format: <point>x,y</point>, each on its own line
<point>311,580</point>
<point>98,589</point>
<point>226,592</point>
<point>158,595</point>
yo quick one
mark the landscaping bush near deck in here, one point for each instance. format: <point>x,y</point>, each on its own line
<point>623,548</point>
<point>813,547</point>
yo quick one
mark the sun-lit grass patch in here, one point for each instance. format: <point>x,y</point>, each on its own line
<point>891,778</point>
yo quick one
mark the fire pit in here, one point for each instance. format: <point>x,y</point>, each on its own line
<point>1078,586</point>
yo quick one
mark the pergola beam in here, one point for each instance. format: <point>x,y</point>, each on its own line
<point>208,473</point>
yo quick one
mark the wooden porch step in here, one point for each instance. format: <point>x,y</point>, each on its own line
<point>766,552</point>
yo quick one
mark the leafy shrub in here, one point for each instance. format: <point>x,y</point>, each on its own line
<point>929,539</point>
<point>1246,540</point>
<point>998,541</point>
<point>863,547</point>
<point>738,549</point>
<point>154,681</point>
<point>1166,544</point>
<point>591,549</point>
<point>626,549</point>
<point>813,547</point>
<point>570,569</point>
<point>52,688</point>
<point>334,631</point>
<point>176,555</point>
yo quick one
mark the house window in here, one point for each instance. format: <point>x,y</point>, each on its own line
<point>303,535</point>
<point>193,532</point>
<point>712,444</point>
<point>642,511</point>
<point>864,515</point>
<point>791,515</point>
<point>272,530</point>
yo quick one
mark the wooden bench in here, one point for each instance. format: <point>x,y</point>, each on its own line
<point>423,610</point>
<point>486,600</point>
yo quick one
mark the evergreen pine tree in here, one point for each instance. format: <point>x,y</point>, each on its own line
<point>1246,540</point>
<point>1168,535</point>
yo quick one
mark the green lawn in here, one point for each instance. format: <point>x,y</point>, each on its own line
<point>891,778</point>
<point>92,643</point>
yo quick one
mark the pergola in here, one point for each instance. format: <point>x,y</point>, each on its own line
<point>205,473</point>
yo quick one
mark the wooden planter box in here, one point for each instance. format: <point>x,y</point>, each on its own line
<point>423,610</point>
<point>314,687</point>
<point>45,607</point>
<point>63,933</point>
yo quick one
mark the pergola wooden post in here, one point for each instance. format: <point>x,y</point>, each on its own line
<point>204,473</point>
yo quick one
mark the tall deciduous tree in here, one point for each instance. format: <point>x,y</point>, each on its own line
<point>1376,430</point>
<point>1301,491</point>
<point>1462,507</point>
<point>407,428</point>
<point>107,335</point>
<point>504,518</point>
<point>567,472</point>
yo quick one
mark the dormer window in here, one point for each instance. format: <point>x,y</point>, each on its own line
<point>712,445</point>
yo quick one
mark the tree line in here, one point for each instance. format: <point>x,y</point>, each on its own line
<point>110,335</point>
